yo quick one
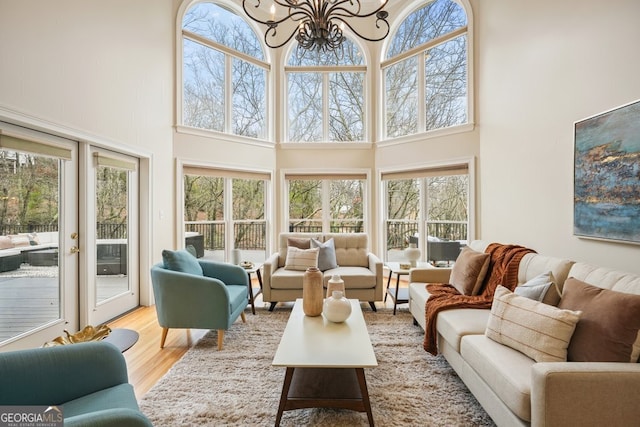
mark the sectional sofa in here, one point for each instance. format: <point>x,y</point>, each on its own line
<point>514,389</point>
<point>360,269</point>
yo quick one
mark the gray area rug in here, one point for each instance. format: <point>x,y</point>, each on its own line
<point>239,387</point>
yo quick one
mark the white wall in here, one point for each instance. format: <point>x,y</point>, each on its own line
<point>544,65</point>
<point>97,68</point>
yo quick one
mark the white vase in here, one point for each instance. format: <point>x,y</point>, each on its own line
<point>336,308</point>
<point>412,253</point>
<point>335,284</point>
<point>235,256</point>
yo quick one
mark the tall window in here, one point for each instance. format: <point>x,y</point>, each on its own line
<point>425,71</point>
<point>326,203</point>
<point>326,99</point>
<point>224,73</point>
<point>429,205</point>
<point>225,210</point>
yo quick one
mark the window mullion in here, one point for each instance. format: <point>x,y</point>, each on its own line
<point>423,216</point>
<point>228,217</point>
<point>326,206</point>
<point>422,92</point>
<point>228,94</point>
<point>325,106</point>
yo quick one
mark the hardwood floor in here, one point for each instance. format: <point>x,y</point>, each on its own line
<point>146,361</point>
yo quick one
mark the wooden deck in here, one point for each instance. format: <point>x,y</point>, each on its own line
<point>29,302</point>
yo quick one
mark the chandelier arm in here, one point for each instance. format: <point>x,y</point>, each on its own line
<point>386,33</point>
<point>299,10</point>
<point>272,23</point>
<point>338,10</point>
<point>272,30</point>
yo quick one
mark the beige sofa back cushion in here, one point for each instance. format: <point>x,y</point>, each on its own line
<point>351,248</point>
<point>533,265</point>
<point>606,278</point>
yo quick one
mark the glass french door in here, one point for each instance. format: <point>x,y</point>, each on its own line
<point>112,245</point>
<point>38,237</point>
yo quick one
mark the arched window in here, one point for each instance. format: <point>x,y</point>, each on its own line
<point>224,73</point>
<point>325,98</point>
<point>425,71</point>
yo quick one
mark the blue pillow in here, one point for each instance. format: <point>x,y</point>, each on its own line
<point>181,261</point>
<point>327,255</point>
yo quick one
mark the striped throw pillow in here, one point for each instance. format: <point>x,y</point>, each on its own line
<point>301,259</point>
<point>538,330</point>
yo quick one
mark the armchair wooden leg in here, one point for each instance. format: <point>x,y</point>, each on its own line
<point>220,338</point>
<point>373,306</point>
<point>164,337</point>
<point>242,316</point>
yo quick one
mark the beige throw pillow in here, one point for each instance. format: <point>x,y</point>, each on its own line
<point>299,242</point>
<point>538,330</point>
<point>301,259</point>
<point>608,330</point>
<point>469,270</point>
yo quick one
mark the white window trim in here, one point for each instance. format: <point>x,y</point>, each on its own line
<point>383,63</point>
<point>382,208</point>
<point>284,188</point>
<point>266,64</point>
<point>269,213</point>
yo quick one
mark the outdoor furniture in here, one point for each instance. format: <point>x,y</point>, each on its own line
<point>196,240</point>
<point>10,260</point>
<point>192,293</point>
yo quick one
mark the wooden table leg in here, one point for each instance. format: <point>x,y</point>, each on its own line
<point>285,393</point>
<point>395,301</point>
<point>388,283</point>
<point>365,394</point>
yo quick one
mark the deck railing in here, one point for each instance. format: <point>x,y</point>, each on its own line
<point>251,235</point>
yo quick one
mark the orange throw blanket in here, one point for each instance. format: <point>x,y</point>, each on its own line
<point>503,270</point>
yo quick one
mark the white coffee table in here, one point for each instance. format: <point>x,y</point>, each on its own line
<point>325,362</point>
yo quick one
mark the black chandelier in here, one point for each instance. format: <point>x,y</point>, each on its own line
<point>319,22</point>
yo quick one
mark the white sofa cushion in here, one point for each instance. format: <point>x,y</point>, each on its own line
<point>454,324</point>
<point>505,370</point>
<point>353,277</point>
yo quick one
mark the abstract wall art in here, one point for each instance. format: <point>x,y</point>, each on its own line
<point>607,175</point>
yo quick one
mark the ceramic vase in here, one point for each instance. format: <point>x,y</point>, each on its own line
<point>337,308</point>
<point>412,253</point>
<point>335,284</point>
<point>312,292</point>
<point>235,256</point>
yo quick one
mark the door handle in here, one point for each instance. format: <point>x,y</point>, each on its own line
<point>74,250</point>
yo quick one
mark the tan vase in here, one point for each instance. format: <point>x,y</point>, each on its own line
<point>312,288</point>
<point>335,284</point>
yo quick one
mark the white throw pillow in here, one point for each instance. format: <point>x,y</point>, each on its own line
<point>301,259</point>
<point>538,330</point>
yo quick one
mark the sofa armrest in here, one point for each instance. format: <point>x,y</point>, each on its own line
<point>115,417</point>
<point>376,266</point>
<point>268,268</point>
<point>429,275</point>
<point>582,393</point>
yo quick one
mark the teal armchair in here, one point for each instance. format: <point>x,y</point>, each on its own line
<point>187,299</point>
<point>88,381</point>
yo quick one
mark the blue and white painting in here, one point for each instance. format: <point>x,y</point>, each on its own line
<point>607,175</point>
